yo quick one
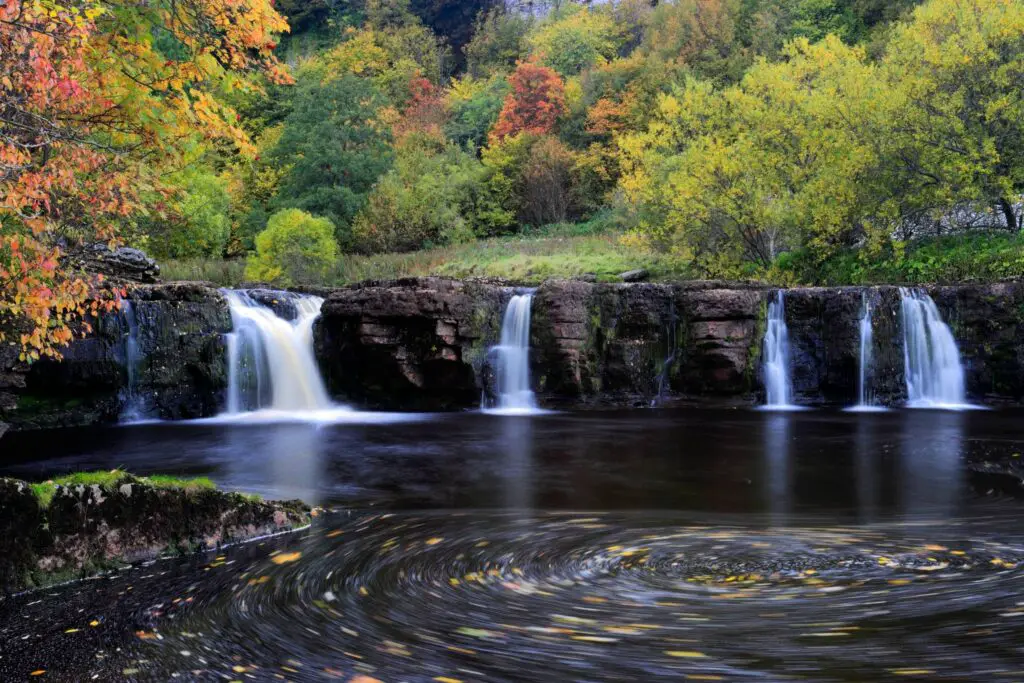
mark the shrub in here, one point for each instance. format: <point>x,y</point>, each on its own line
<point>295,248</point>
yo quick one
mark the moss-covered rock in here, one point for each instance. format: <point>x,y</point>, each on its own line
<point>69,530</point>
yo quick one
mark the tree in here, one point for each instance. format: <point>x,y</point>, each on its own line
<point>332,149</point>
<point>574,40</point>
<point>786,159</point>
<point>957,67</point>
<point>296,248</point>
<point>195,220</point>
<point>96,98</point>
<point>535,103</point>
<point>474,107</point>
<point>498,43</point>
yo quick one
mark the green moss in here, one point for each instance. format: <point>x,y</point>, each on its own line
<point>110,479</point>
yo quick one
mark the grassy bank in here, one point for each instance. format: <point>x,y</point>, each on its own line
<point>556,252</point>
<point>109,479</point>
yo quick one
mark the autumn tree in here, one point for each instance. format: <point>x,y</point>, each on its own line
<point>536,102</point>
<point>96,96</point>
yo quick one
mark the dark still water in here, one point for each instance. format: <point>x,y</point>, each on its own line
<point>843,466</point>
<point>603,546</point>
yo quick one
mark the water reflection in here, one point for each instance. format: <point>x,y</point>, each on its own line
<point>866,464</point>
<point>778,470</point>
<point>847,467</point>
<point>931,473</point>
<point>517,465</point>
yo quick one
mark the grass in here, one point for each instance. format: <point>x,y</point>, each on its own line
<point>110,478</point>
<point>562,251</point>
<point>221,272</point>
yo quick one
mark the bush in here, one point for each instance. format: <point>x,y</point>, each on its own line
<point>295,248</point>
<point>428,199</point>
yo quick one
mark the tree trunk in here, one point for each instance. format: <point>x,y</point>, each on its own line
<point>1009,214</point>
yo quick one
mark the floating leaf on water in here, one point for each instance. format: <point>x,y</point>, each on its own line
<point>911,672</point>
<point>446,679</point>
<point>285,558</point>
<point>38,672</point>
<point>433,541</point>
<point>687,654</point>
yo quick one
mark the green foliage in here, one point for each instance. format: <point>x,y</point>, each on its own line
<point>331,152</point>
<point>111,479</point>
<point>499,41</point>
<point>296,248</point>
<point>474,106</point>
<point>195,221</point>
<point>221,272</point>
<point>575,39</point>
<point>952,259</point>
<point>560,251</point>
<point>430,197</point>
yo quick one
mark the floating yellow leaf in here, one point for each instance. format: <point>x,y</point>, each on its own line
<point>38,672</point>
<point>911,672</point>
<point>445,679</point>
<point>433,541</point>
<point>689,654</point>
<point>285,558</point>
<point>94,622</point>
<point>72,630</point>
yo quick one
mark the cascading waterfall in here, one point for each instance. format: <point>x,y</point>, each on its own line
<point>132,409</point>
<point>513,387</point>
<point>865,396</point>
<point>777,381</point>
<point>270,360</point>
<point>934,374</point>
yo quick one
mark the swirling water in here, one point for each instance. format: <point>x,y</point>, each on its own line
<point>665,545</point>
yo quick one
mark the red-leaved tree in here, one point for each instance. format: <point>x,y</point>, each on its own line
<point>535,103</point>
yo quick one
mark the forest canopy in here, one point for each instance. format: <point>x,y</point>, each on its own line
<point>790,140</point>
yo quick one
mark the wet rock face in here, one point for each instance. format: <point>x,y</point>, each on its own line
<point>414,344</point>
<point>181,372</point>
<point>988,324</point>
<point>88,527</point>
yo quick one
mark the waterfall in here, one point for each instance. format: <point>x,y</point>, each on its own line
<point>270,360</point>
<point>513,386</point>
<point>934,375</point>
<point>132,407</point>
<point>777,382</point>
<point>865,397</point>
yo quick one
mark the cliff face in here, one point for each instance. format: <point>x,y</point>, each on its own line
<point>417,344</point>
<point>180,372</point>
<point>422,343</point>
<point>425,344</point>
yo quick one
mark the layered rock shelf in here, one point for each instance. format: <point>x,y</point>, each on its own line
<point>424,344</point>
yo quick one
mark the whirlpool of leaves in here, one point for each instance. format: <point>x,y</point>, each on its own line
<point>593,597</point>
<point>587,597</point>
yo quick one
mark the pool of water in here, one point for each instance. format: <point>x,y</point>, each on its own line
<point>682,544</point>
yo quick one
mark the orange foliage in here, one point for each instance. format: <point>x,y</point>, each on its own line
<point>536,102</point>
<point>85,110</point>
<point>425,112</point>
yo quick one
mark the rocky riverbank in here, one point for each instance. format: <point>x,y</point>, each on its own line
<point>50,533</point>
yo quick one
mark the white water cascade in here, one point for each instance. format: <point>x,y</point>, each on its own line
<point>934,374</point>
<point>513,386</point>
<point>865,396</point>
<point>777,381</point>
<point>133,408</point>
<point>270,360</point>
